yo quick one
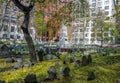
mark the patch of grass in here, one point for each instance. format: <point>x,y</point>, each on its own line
<point>106,69</point>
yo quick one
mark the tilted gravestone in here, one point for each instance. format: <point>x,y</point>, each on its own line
<point>84,60</point>
<point>30,78</point>
<point>89,59</point>
<point>91,76</point>
<point>66,72</point>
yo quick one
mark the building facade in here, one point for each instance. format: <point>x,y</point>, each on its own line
<point>11,19</point>
<point>82,32</point>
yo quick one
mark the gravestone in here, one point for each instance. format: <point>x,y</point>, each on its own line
<point>75,58</point>
<point>10,60</point>
<point>49,56</point>
<point>89,59</point>
<point>66,72</point>
<point>2,81</point>
<point>84,60</point>
<point>41,54</point>
<point>91,76</point>
<point>61,71</point>
<point>77,63</point>
<point>52,74</point>
<point>64,62</point>
<point>57,63</point>
<point>30,78</point>
<point>19,60</point>
<point>17,66</point>
<point>71,60</point>
<point>26,64</point>
<point>5,48</point>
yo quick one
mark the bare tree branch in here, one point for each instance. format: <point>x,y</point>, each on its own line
<point>22,7</point>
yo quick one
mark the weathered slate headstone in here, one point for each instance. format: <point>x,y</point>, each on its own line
<point>61,71</point>
<point>66,72</point>
<point>84,60</point>
<point>71,60</point>
<point>17,66</point>
<point>89,59</point>
<point>77,63</point>
<point>26,64</point>
<point>52,74</point>
<point>49,56</point>
<point>2,81</point>
<point>10,60</point>
<point>30,78</point>
<point>64,62</point>
<point>91,76</point>
<point>41,54</point>
<point>19,60</point>
<point>57,63</point>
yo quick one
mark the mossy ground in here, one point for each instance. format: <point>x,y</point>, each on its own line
<point>106,69</point>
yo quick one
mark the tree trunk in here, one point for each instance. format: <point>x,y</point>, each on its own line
<point>26,10</point>
<point>28,38</point>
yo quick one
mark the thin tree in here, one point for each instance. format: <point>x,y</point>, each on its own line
<point>27,10</point>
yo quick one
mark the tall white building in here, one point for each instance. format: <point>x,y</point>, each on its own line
<point>11,19</point>
<point>82,27</point>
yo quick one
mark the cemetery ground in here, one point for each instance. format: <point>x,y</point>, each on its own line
<point>105,68</point>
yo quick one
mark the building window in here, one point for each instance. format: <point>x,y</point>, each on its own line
<point>93,4</point>
<point>12,29</point>
<point>5,28</point>
<point>4,36</point>
<point>87,29</point>
<point>12,36</point>
<point>93,9</point>
<point>99,3</point>
<point>106,12</point>
<point>99,8</point>
<point>13,21</point>
<point>93,14</point>
<point>8,7</point>
<point>18,37</point>
<point>106,7</point>
<point>93,0</point>
<point>86,35</point>
<point>106,2</point>
<point>14,9</point>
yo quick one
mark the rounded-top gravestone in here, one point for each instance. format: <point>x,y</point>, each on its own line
<point>66,72</point>
<point>30,78</point>
<point>84,60</point>
<point>91,76</point>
